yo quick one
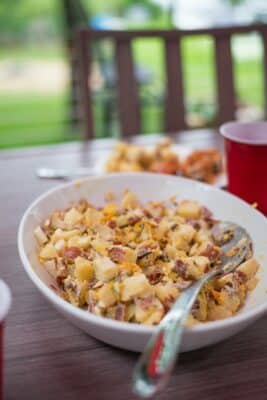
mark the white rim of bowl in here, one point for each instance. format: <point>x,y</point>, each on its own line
<point>225,134</point>
<point>5,300</point>
<point>121,325</point>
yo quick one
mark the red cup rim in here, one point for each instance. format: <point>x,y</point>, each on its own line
<point>5,300</point>
<point>224,130</point>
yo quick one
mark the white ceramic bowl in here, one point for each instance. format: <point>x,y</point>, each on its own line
<point>148,187</point>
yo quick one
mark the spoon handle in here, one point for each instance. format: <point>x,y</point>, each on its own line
<point>157,361</point>
<point>64,173</point>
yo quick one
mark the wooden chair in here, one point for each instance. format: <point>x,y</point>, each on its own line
<point>128,103</point>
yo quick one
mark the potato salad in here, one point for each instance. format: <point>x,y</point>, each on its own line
<point>129,261</point>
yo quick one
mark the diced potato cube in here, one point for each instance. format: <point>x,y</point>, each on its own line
<point>141,314</point>
<point>171,251</point>
<point>182,236</point>
<point>48,252</point>
<point>130,310</point>
<point>224,280</point>
<point>189,209</point>
<point>249,268</point>
<point>40,235</point>
<point>195,267</point>
<point>230,301</point>
<point>201,262</point>
<point>65,235</point>
<point>252,283</point>
<point>126,255</point>
<point>50,266</point>
<point>154,318</point>
<point>100,246</point>
<point>107,296</point>
<point>218,312</point>
<point>92,217</point>
<point>84,270</point>
<point>201,312</point>
<point>73,217</point>
<point>187,231</point>
<point>191,321</point>
<point>105,269</point>
<point>56,221</point>
<point>129,200</point>
<point>82,292</point>
<point>136,285</point>
<point>166,292</point>
<point>82,242</point>
<point>105,232</point>
<point>110,210</point>
<point>161,229</point>
<point>202,236</point>
<point>60,246</point>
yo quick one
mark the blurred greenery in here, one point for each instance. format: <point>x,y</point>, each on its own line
<point>34,118</point>
<point>16,15</point>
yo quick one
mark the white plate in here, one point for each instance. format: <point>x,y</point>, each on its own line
<point>133,336</point>
<point>182,152</point>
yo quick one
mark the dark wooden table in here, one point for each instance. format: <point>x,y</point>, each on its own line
<point>47,358</point>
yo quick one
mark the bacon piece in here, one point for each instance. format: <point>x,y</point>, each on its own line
<point>143,252</point>
<point>154,275</point>
<point>60,279</point>
<point>169,167</point>
<point>181,268</point>
<point>208,216</point>
<point>181,285</point>
<point>147,213</point>
<point>168,302</point>
<point>69,284</point>
<point>134,219</point>
<point>92,283</point>
<point>47,228</point>
<point>195,224</point>
<point>91,302</point>
<point>195,309</point>
<point>120,312</point>
<point>71,253</point>
<point>116,254</point>
<point>144,303</point>
<point>145,249</point>
<point>240,276</point>
<point>206,213</point>
<point>211,252</point>
<point>112,224</point>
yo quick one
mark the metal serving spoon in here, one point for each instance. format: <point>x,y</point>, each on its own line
<point>157,361</point>
<point>65,173</point>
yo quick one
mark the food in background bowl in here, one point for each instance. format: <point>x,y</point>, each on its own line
<point>203,165</point>
<point>130,261</point>
<point>135,158</point>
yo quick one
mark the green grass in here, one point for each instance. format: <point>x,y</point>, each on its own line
<point>45,52</point>
<point>28,119</point>
<point>31,119</point>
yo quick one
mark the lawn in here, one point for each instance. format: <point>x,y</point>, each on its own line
<point>31,118</point>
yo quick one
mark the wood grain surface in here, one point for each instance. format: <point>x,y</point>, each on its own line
<point>48,358</point>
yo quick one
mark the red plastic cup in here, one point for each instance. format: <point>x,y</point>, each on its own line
<point>5,302</point>
<point>246,161</point>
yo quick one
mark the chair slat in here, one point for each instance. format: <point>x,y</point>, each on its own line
<point>175,109</point>
<point>83,55</point>
<point>264,43</point>
<point>128,102</point>
<point>225,81</point>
